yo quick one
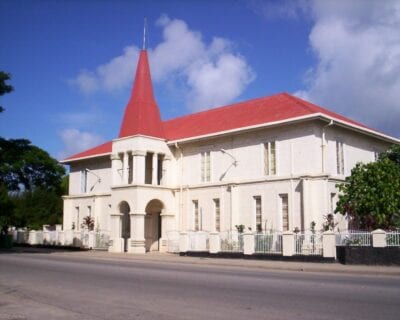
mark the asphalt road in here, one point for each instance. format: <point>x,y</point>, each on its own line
<point>51,286</point>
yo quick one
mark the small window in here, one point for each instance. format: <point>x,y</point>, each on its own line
<point>270,158</point>
<point>333,202</point>
<point>285,212</point>
<point>89,211</point>
<point>196,215</point>
<point>75,224</point>
<point>205,167</point>
<point>339,158</point>
<point>83,181</point>
<point>217,215</point>
<point>257,202</point>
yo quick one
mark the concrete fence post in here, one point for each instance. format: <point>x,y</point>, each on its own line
<point>288,244</point>
<point>183,242</point>
<point>215,242</point>
<point>329,244</point>
<point>32,237</point>
<point>248,243</point>
<point>378,238</point>
<point>92,239</point>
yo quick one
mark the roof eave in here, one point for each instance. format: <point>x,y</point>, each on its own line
<point>67,161</point>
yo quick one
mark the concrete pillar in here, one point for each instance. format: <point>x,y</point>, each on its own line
<point>215,242</point>
<point>288,243</point>
<point>248,243</point>
<point>116,241</point>
<point>139,166</point>
<point>125,170</point>
<point>115,169</point>
<point>32,237</point>
<point>68,237</point>
<point>92,239</point>
<point>184,242</point>
<point>329,244</point>
<point>378,238</point>
<point>61,238</point>
<point>155,169</point>
<point>167,224</point>
<point>137,241</point>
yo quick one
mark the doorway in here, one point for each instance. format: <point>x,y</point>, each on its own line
<point>153,225</point>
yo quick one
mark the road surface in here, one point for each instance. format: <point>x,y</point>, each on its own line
<point>61,286</point>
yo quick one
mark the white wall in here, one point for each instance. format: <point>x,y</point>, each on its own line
<point>99,167</point>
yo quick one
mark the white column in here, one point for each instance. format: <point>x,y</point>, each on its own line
<point>248,243</point>
<point>115,166</point>
<point>378,238</point>
<point>125,173</point>
<point>167,224</point>
<point>215,242</point>
<point>117,242</point>
<point>139,166</point>
<point>288,244</point>
<point>328,244</point>
<point>137,241</point>
<point>155,169</point>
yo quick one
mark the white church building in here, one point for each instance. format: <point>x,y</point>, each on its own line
<point>267,163</point>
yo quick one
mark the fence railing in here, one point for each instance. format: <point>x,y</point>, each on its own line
<point>231,241</point>
<point>308,243</point>
<point>102,241</point>
<point>270,242</point>
<point>393,238</point>
<point>173,241</point>
<point>198,241</point>
<point>353,238</point>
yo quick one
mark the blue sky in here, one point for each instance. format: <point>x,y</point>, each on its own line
<point>72,62</point>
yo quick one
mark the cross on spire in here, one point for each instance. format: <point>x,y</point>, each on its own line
<point>145,35</point>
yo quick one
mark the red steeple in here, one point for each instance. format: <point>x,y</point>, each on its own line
<point>141,113</point>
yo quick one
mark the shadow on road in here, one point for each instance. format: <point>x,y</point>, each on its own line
<point>16,249</point>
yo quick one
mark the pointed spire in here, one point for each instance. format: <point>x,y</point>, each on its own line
<point>142,115</point>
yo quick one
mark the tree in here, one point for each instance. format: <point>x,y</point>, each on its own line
<point>4,87</point>
<point>31,185</point>
<point>371,194</point>
<point>24,166</point>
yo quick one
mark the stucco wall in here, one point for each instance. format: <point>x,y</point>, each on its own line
<point>99,168</point>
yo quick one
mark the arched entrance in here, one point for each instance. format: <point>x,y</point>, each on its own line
<point>124,209</point>
<point>152,225</point>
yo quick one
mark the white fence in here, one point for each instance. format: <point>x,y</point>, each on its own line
<point>308,243</point>
<point>231,241</point>
<point>268,242</point>
<point>393,238</point>
<point>98,240</point>
<point>198,241</point>
<point>353,238</point>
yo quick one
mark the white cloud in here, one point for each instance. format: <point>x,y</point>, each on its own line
<point>75,141</point>
<point>292,9</point>
<point>357,44</point>
<point>182,56</point>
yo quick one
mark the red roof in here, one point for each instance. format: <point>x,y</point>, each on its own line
<point>244,114</point>
<point>141,113</point>
<point>279,107</point>
<point>104,148</point>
